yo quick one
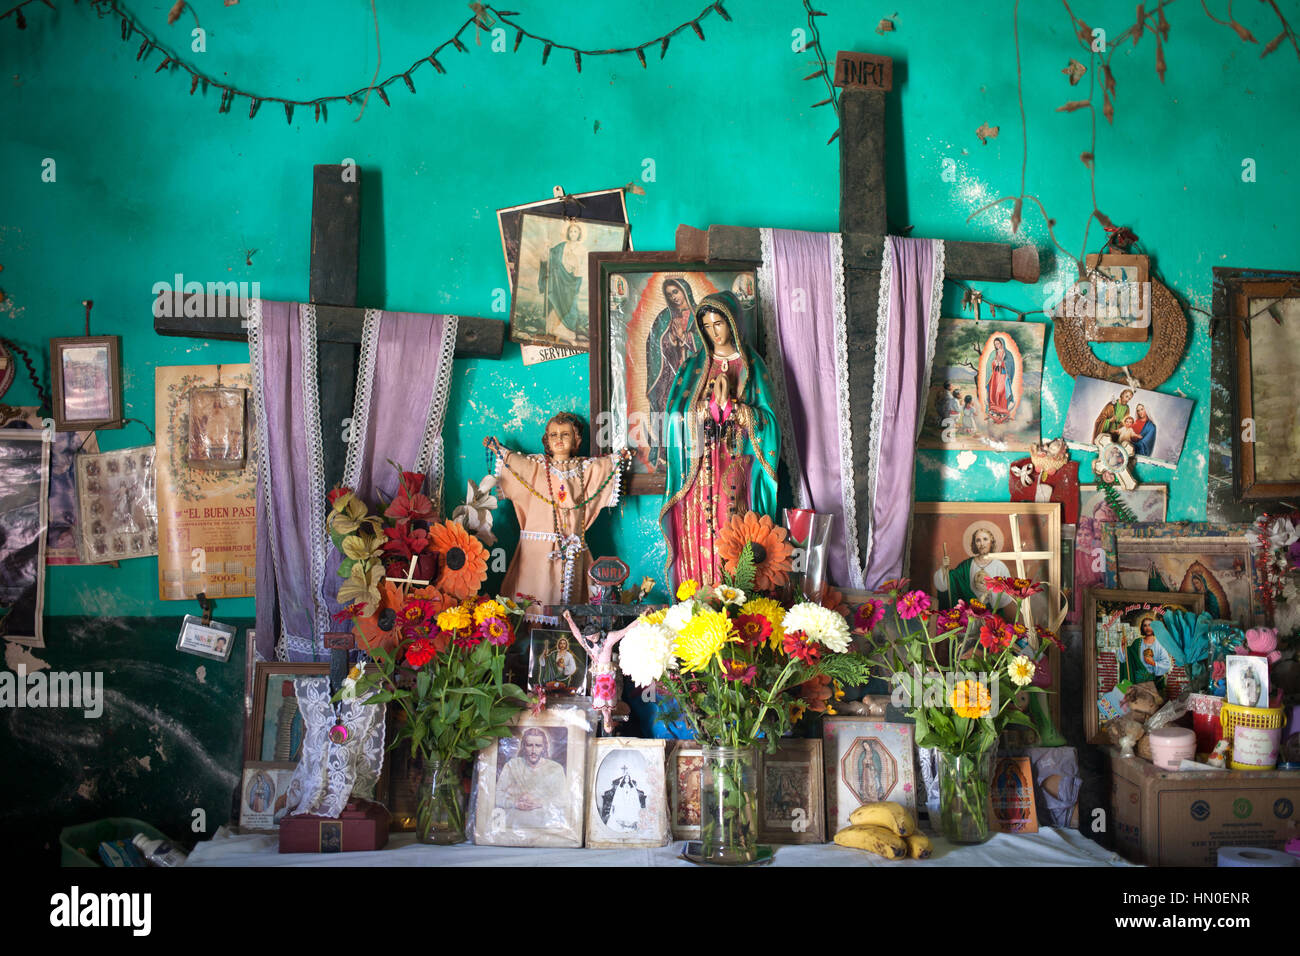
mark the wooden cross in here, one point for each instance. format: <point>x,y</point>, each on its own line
<point>866,79</point>
<point>410,578</point>
<point>332,288</point>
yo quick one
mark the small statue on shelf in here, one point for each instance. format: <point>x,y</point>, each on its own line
<point>557,496</point>
<point>604,679</point>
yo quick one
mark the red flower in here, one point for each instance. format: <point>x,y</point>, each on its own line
<point>996,634</point>
<point>754,629</point>
<point>796,644</point>
<point>893,587</point>
<point>1046,636</point>
<point>418,611</point>
<point>406,542</point>
<point>953,619</point>
<point>738,670</point>
<point>409,503</point>
<point>495,631</point>
<point>420,652</point>
<point>337,492</point>
<point>913,604</point>
<point>467,640</point>
<point>1016,587</point>
<point>866,617</point>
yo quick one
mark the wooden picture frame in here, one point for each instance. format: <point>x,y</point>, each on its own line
<point>1258,469</point>
<point>685,766</point>
<point>1110,600</point>
<point>263,672</point>
<point>1128,319</point>
<point>86,373</point>
<point>627,793</point>
<point>264,795</point>
<point>791,793</point>
<point>616,362</point>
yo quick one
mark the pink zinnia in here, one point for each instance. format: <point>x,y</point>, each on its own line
<point>866,617</point>
<point>738,670</point>
<point>496,631</point>
<point>913,604</point>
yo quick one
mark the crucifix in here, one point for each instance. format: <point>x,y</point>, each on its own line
<point>865,80</point>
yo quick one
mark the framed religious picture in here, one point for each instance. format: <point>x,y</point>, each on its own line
<point>685,765</point>
<point>1118,300</point>
<point>557,664</point>
<point>116,493</point>
<point>551,301</point>
<point>866,760</point>
<point>642,331</point>
<point>87,377</point>
<point>1265,339</point>
<point>1012,796</point>
<point>1148,503</point>
<point>215,439</point>
<point>984,386</point>
<point>275,726</point>
<point>627,794</point>
<point>264,796</point>
<point>1215,560</point>
<point>1153,423</point>
<point>1121,650</point>
<point>24,516</point>
<point>957,546</point>
<point>530,786</point>
<point>790,793</point>
<point>1247,680</point>
<point>601,205</point>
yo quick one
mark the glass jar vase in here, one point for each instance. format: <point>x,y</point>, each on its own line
<point>440,813</point>
<point>729,805</point>
<point>965,813</point>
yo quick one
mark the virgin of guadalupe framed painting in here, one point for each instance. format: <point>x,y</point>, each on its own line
<point>642,331</point>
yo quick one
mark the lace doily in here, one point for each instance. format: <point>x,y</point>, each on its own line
<point>328,774</point>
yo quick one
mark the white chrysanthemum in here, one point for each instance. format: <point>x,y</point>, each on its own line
<point>678,615</point>
<point>729,595</point>
<point>645,652</point>
<point>820,624</point>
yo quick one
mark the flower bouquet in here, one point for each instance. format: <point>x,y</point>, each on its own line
<point>958,673</point>
<point>733,663</point>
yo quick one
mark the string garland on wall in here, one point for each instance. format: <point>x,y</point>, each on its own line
<point>484,18</point>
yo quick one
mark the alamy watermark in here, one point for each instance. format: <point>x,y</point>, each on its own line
<point>177,298</point>
<point>75,690</point>
<point>934,689</point>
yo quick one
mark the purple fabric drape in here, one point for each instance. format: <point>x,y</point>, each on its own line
<point>911,279</point>
<point>807,309</point>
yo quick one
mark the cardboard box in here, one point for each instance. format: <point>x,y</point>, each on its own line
<point>1181,818</point>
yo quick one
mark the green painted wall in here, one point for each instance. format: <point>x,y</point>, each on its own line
<point>152,181</point>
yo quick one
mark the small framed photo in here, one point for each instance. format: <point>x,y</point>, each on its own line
<point>1247,680</point>
<point>1120,299</point>
<point>215,440</point>
<point>557,663</point>
<point>531,786</point>
<point>213,639</point>
<point>867,760</point>
<point>1012,796</point>
<point>790,795</point>
<point>685,765</point>
<point>275,726</point>
<point>264,796</point>
<point>87,378</point>
<point>627,797</point>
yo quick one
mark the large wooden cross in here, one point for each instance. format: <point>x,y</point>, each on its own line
<point>866,79</point>
<point>332,288</point>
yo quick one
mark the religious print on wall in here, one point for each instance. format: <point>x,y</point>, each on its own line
<point>551,301</point>
<point>643,332</point>
<point>207,482</point>
<point>1149,503</point>
<point>116,492</point>
<point>1153,423</point>
<point>867,760</point>
<point>24,494</point>
<point>984,386</point>
<point>627,799</point>
<point>1216,561</point>
<point>602,205</point>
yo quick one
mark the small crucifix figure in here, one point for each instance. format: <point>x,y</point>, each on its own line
<point>604,680</point>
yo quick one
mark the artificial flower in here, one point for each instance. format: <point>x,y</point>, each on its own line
<point>729,595</point>
<point>754,629</point>
<point>677,616</point>
<point>476,513</point>
<point>454,619</point>
<point>734,670</point>
<point>686,590</point>
<point>799,646</point>
<point>768,544</point>
<point>773,611</point>
<point>420,652</point>
<point>820,624</point>
<point>970,698</point>
<point>370,635</point>
<point>349,513</point>
<point>913,604</point>
<point>461,556</point>
<point>702,638</point>
<point>488,608</point>
<point>1021,671</point>
<point>1282,533</point>
<point>996,634</point>
<point>405,541</point>
<point>409,503</point>
<point>868,615</point>
<point>337,492</point>
<point>362,587</point>
<point>646,651</point>
<point>496,630</point>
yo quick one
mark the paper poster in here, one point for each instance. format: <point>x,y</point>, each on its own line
<point>207,517</point>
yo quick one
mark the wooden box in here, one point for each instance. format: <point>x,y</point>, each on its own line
<point>363,825</point>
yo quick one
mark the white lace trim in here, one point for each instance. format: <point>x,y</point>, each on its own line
<point>932,337</point>
<point>617,478</point>
<point>848,480</point>
<point>430,461</point>
<point>877,398</point>
<point>329,774</point>
<point>361,403</point>
<point>319,540</point>
<point>776,365</point>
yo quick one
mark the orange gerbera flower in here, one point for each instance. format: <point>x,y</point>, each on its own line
<point>462,559</point>
<point>771,549</point>
<point>369,634</point>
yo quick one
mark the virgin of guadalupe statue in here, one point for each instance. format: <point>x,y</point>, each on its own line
<point>721,441</point>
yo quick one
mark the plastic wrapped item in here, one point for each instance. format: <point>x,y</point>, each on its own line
<point>1167,714</point>
<point>216,429</point>
<point>119,508</point>
<point>530,788</point>
<point>24,489</point>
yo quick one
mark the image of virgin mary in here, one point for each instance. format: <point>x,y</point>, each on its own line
<point>559,280</point>
<point>999,387</point>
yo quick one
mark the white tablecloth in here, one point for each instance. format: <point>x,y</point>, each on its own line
<point>1045,848</point>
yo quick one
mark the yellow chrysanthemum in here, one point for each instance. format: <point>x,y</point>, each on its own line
<point>454,618</point>
<point>970,698</point>
<point>702,638</point>
<point>686,590</point>
<point>489,609</point>
<point>656,617</point>
<point>774,612</point>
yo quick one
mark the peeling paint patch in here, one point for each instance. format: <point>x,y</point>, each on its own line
<point>999,469</point>
<point>143,762</point>
<point>201,673</point>
<point>965,459</point>
<point>16,654</point>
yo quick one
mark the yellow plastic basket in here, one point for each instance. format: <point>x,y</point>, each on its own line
<point>1233,716</point>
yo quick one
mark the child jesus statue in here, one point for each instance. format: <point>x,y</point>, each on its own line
<point>556,495</point>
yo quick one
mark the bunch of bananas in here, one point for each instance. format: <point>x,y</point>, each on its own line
<point>886,829</point>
